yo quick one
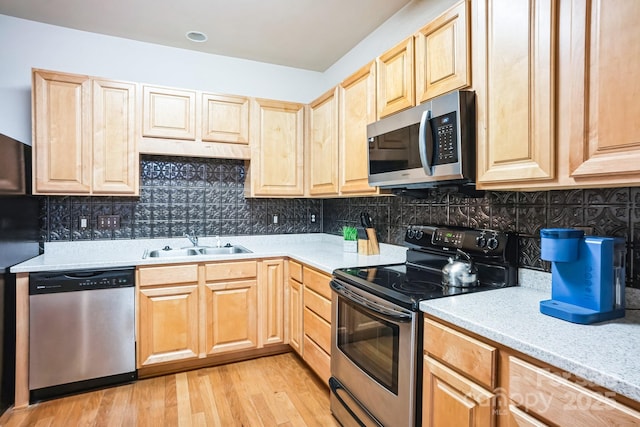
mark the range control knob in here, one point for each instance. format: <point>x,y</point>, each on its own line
<point>411,233</point>
<point>481,241</point>
<point>492,243</point>
<point>419,234</point>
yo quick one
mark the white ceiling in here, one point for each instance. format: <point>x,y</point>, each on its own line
<point>307,34</point>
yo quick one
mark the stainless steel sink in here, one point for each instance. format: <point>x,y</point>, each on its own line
<point>168,252</point>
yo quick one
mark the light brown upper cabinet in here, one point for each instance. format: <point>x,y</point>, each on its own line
<point>555,109</point>
<point>277,149</point>
<point>602,92</point>
<point>192,123</point>
<point>443,53</point>
<point>321,164</point>
<point>395,79</point>
<point>515,82</point>
<point>436,60</point>
<point>225,118</point>
<point>84,135</point>
<point>357,108</point>
<point>168,113</point>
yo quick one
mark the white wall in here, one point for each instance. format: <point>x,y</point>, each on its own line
<point>27,44</point>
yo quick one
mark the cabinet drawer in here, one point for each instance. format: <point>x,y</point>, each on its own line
<point>318,282</point>
<point>317,329</point>
<point>231,270</point>
<point>318,304</point>
<point>317,359</point>
<point>561,401</point>
<point>295,271</point>
<point>468,355</point>
<point>168,275</point>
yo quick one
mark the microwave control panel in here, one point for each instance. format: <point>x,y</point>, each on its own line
<point>445,132</point>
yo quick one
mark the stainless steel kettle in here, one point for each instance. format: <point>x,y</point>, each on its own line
<point>460,274</point>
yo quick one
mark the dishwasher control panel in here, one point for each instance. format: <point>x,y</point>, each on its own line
<point>80,280</point>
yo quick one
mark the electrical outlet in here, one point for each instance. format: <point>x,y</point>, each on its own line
<point>108,222</point>
<point>276,218</point>
<point>313,218</point>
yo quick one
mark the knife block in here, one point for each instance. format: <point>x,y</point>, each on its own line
<point>369,246</point>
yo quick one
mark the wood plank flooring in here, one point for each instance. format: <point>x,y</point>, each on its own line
<point>270,391</point>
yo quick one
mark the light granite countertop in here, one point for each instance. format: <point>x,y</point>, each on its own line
<point>604,353</point>
<point>322,251</point>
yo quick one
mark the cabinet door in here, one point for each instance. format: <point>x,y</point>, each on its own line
<point>115,158</point>
<point>295,315</point>
<point>515,68</point>
<point>277,157</point>
<point>169,113</point>
<point>357,98</point>
<point>443,54</point>
<point>605,137</point>
<point>449,399</point>
<point>231,316</point>
<point>167,324</point>
<point>225,118</point>
<point>322,145</point>
<point>271,290</point>
<point>395,79</point>
<point>62,133</point>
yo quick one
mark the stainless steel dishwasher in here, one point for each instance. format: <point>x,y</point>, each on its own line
<point>81,331</point>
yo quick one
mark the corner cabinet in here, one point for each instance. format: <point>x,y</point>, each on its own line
<point>296,307</point>
<point>277,149</point>
<point>84,135</point>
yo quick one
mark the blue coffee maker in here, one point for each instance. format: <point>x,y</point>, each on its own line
<point>587,275</point>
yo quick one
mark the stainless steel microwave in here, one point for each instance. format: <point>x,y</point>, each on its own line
<point>429,145</point>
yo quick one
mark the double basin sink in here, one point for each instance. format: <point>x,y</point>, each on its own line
<point>168,252</point>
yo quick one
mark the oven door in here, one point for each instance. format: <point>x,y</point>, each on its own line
<point>373,358</point>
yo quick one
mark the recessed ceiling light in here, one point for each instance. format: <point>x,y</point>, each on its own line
<point>197,36</point>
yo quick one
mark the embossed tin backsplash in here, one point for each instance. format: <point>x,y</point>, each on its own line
<point>206,197</point>
<point>610,212</point>
<point>180,195</point>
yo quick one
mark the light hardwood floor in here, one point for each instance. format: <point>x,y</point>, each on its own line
<point>269,391</point>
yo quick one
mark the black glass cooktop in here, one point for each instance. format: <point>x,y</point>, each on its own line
<point>403,284</point>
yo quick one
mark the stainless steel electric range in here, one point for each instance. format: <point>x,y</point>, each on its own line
<point>376,344</point>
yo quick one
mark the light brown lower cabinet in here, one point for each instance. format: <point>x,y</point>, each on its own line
<point>474,382</point>
<point>296,306</point>
<point>317,322</point>
<point>194,311</point>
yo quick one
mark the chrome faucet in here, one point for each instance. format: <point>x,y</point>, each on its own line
<point>192,239</point>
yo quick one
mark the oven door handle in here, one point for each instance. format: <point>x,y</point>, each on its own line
<point>366,303</point>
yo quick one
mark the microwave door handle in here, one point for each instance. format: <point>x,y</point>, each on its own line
<point>425,135</point>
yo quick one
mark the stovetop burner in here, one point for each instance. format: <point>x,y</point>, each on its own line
<point>494,254</point>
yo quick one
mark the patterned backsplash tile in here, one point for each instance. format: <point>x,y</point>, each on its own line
<point>180,195</point>
<point>206,197</point>
<point>609,212</point>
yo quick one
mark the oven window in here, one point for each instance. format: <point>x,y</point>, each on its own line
<point>370,342</point>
